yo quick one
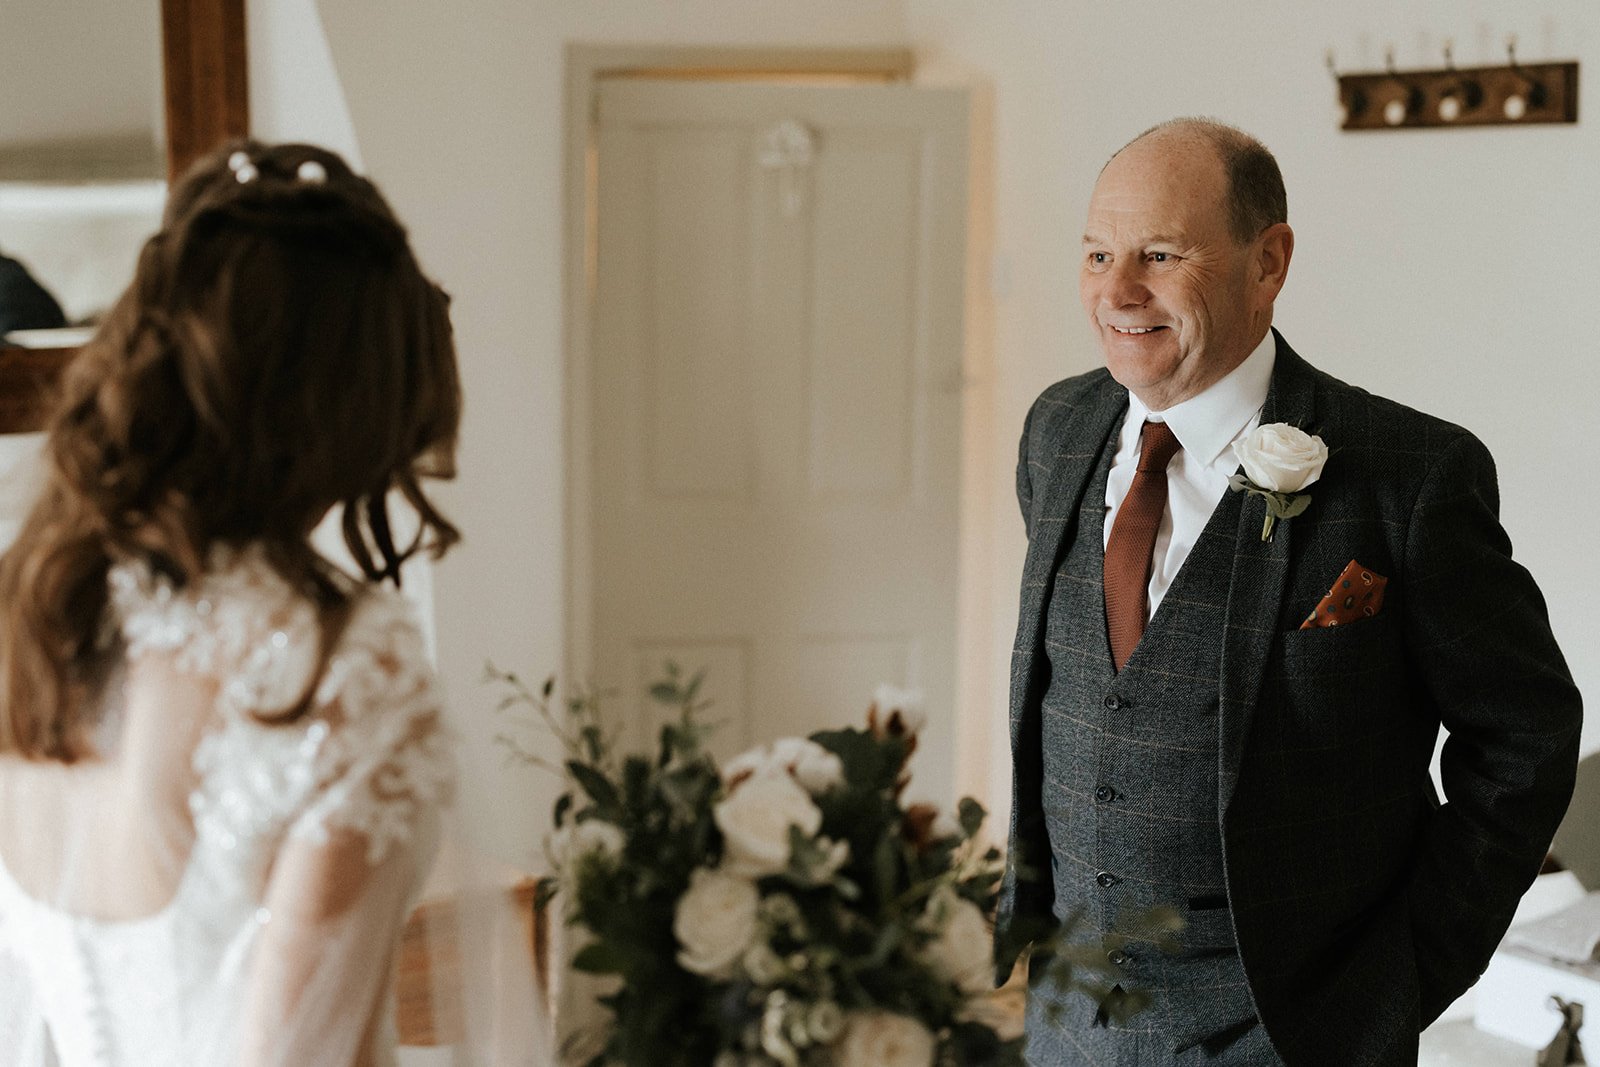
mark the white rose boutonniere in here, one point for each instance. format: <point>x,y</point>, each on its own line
<point>1280,462</point>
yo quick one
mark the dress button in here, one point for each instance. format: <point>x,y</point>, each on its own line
<point>1118,957</point>
<point>1112,702</point>
<point>1106,879</point>
<point>1105,794</point>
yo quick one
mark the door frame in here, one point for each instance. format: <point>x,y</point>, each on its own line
<point>587,65</point>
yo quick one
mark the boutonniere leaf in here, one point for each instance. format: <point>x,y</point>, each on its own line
<point>1279,505</point>
<point>1280,462</point>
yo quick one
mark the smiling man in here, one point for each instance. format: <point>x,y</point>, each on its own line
<point>1235,717</point>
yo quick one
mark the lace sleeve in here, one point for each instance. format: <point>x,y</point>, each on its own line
<point>385,765</point>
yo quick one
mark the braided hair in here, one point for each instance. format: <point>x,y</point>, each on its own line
<point>278,354</point>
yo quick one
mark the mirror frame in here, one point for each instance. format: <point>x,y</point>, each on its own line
<point>203,60</point>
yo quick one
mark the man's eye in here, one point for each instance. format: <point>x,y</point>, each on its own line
<point>1161,257</point>
<point>1099,259</point>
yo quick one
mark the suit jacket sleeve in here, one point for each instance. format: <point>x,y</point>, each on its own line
<point>1479,640</point>
<point>1025,473</point>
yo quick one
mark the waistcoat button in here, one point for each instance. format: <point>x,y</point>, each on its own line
<point>1112,702</point>
<point>1106,879</point>
<point>1105,794</point>
<point>1118,957</point>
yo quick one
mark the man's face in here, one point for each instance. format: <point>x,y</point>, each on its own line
<point>1175,301</point>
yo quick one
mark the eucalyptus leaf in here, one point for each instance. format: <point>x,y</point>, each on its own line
<point>886,866</point>
<point>599,957</point>
<point>594,783</point>
<point>1297,505</point>
<point>594,743</point>
<point>972,816</point>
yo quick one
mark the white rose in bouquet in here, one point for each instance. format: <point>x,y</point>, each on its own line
<point>763,965</point>
<point>570,844</point>
<point>755,820</point>
<point>964,950</point>
<point>716,920</point>
<point>908,702</point>
<point>1280,458</point>
<point>813,766</point>
<point>884,1039</point>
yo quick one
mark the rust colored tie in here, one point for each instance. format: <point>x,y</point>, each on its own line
<point>1133,542</point>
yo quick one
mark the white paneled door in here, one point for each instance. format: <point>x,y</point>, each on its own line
<point>773,401</point>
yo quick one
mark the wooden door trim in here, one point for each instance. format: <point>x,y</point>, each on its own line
<point>587,65</point>
<point>204,83</point>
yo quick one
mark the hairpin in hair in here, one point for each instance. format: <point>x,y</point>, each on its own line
<point>311,172</point>
<point>244,171</point>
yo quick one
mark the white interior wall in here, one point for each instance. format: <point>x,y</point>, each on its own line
<point>63,75</point>
<point>1450,269</point>
<point>295,91</point>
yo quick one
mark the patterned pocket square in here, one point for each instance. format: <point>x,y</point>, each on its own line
<point>1356,594</point>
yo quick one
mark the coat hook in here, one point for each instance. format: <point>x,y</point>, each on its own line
<point>1532,95</point>
<point>1402,107</point>
<point>1465,94</point>
<point>1352,100</point>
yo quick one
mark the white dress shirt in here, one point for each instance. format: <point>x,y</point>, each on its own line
<point>1206,426</point>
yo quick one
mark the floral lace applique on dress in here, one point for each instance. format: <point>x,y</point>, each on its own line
<point>370,755</point>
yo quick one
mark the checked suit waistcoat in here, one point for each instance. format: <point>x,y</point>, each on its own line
<point>1130,803</point>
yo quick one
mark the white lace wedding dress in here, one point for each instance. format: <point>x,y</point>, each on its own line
<point>214,890</point>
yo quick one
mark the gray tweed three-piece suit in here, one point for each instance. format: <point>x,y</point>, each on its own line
<point>1272,783</point>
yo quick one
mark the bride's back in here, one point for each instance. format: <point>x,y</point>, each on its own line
<point>220,758</point>
<point>108,837</point>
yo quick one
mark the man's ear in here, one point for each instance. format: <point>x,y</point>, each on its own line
<point>1274,249</point>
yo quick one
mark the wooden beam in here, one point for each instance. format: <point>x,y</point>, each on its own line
<point>208,98</point>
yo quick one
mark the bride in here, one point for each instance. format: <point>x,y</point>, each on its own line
<point>221,758</point>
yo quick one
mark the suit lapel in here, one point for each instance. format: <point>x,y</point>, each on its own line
<point>1055,509</point>
<point>1260,573</point>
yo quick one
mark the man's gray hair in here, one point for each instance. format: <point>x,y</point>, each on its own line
<point>1256,196</point>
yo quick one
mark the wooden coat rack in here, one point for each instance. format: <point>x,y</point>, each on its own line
<point>1508,95</point>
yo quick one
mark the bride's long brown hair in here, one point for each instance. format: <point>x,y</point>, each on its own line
<point>279,353</point>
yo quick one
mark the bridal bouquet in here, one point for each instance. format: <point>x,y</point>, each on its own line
<point>785,909</point>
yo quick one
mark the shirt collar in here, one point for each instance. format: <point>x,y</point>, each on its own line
<point>1208,422</point>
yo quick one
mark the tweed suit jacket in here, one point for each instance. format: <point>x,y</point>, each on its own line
<point>1362,905</point>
